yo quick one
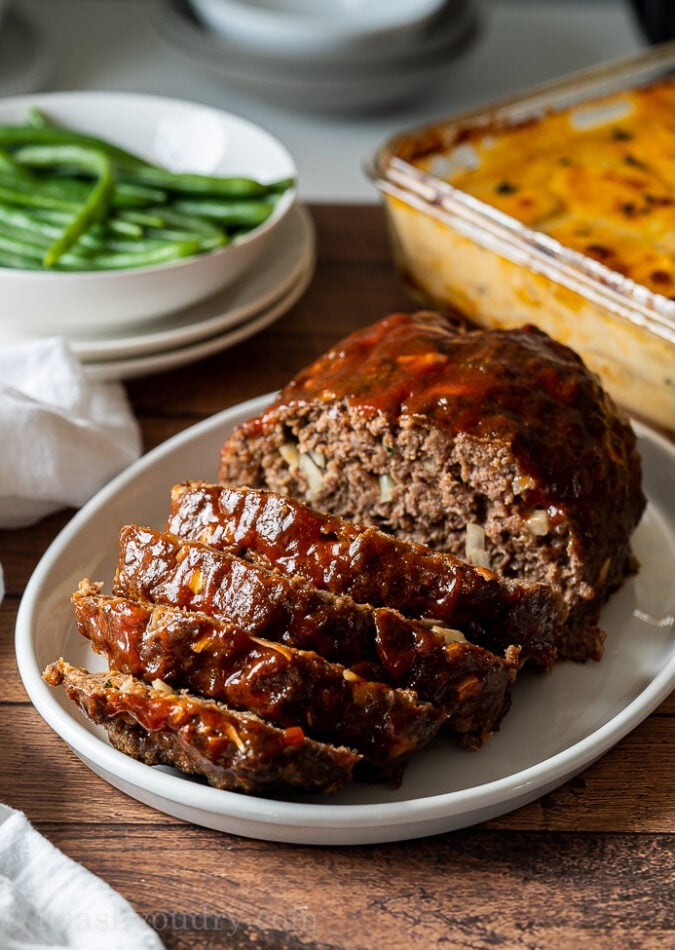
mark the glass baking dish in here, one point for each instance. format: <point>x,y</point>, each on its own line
<point>456,250</point>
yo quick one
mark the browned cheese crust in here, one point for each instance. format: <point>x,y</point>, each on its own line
<point>232,750</point>
<point>282,685</point>
<point>418,428</point>
<point>468,683</point>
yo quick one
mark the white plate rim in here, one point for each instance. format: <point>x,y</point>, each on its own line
<point>289,250</point>
<point>165,360</point>
<point>280,820</point>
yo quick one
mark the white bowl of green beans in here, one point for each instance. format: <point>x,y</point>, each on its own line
<point>118,209</point>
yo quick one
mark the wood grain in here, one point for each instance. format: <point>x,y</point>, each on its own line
<point>589,865</point>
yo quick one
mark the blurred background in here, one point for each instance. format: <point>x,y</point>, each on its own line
<point>332,114</point>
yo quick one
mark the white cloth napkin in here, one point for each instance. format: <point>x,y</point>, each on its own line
<point>49,902</point>
<point>62,436</point>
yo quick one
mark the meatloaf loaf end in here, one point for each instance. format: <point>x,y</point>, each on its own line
<point>444,436</point>
<point>232,750</point>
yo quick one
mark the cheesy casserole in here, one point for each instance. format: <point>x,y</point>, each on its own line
<point>599,178</point>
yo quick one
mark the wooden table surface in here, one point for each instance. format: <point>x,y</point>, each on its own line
<point>591,864</point>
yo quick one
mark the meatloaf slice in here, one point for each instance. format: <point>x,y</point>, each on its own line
<point>370,566</point>
<point>470,684</point>
<point>421,429</point>
<point>232,750</point>
<point>282,685</point>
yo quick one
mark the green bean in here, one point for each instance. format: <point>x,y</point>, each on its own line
<point>163,222</point>
<point>103,236</point>
<point>97,234</point>
<point>26,236</point>
<point>116,245</point>
<point>19,193</point>
<point>116,224</point>
<point>39,235</point>
<point>127,228</point>
<point>70,189</point>
<point>187,222</point>
<point>96,205</point>
<point>9,165</point>
<point>127,195</point>
<point>233,213</point>
<point>36,118</point>
<point>153,245</point>
<point>52,215</point>
<point>47,221</point>
<point>193,184</point>
<point>16,245</point>
<point>19,218</point>
<point>50,224</point>
<point>119,261</point>
<point>281,185</point>
<point>124,196</point>
<point>15,136</point>
<point>37,190</point>
<point>18,262</point>
<point>59,156</point>
<point>144,218</point>
<point>173,234</point>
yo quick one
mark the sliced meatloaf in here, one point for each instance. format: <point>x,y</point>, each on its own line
<point>444,437</point>
<point>469,683</point>
<point>370,566</point>
<point>282,685</point>
<point>232,750</point>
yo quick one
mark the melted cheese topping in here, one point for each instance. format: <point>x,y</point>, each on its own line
<point>600,178</point>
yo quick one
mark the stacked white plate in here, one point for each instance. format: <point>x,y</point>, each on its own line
<point>320,76</point>
<point>25,59</point>
<point>262,295</point>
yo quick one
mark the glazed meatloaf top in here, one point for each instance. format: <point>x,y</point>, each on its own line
<point>517,387</point>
